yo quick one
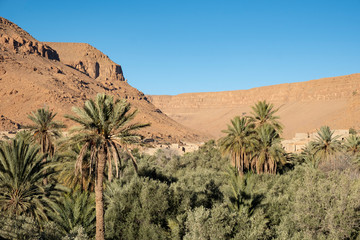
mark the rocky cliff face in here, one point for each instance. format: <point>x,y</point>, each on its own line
<point>88,60</point>
<point>304,106</point>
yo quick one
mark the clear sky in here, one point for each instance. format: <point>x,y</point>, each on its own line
<point>173,46</point>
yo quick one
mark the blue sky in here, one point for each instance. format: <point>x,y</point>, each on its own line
<point>172,47</point>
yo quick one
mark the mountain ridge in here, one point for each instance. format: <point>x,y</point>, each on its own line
<point>322,101</point>
<point>59,76</point>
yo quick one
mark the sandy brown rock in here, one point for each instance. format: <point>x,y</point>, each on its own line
<point>8,124</point>
<point>304,106</point>
<point>35,74</point>
<point>88,60</point>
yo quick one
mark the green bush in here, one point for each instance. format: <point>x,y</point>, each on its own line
<point>324,206</point>
<point>138,210</point>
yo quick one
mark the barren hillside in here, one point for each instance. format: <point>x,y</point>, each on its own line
<point>35,74</point>
<point>304,106</point>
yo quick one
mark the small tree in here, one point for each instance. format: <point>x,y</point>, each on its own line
<point>45,130</point>
<point>240,136</point>
<point>326,144</point>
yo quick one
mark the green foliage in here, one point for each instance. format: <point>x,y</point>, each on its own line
<point>215,223</point>
<point>269,152</point>
<point>326,144</point>
<point>222,223</point>
<point>309,156</point>
<point>198,188</point>
<point>18,228</point>
<point>322,206</point>
<point>105,127</point>
<point>352,144</point>
<point>44,129</point>
<point>138,209</point>
<point>253,228</point>
<point>25,135</point>
<point>263,113</point>
<point>21,173</point>
<point>352,131</point>
<point>239,194</point>
<point>254,142</point>
<point>73,210</point>
<point>67,172</point>
<point>194,196</point>
<point>77,233</point>
<point>238,141</point>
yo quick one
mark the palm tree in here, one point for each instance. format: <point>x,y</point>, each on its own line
<point>263,114</point>
<point>21,173</point>
<point>239,197</point>
<point>25,135</point>
<point>240,135</point>
<point>326,144</point>
<point>75,209</point>
<point>268,153</point>
<point>104,129</point>
<point>67,171</point>
<point>308,155</point>
<point>352,144</point>
<point>45,130</point>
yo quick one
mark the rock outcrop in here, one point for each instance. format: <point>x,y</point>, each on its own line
<point>13,38</point>
<point>8,124</point>
<point>88,60</point>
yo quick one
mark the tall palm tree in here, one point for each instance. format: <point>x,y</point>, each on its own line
<point>269,152</point>
<point>104,129</point>
<point>44,130</point>
<point>326,144</point>
<point>263,113</point>
<point>240,135</point>
<point>21,173</point>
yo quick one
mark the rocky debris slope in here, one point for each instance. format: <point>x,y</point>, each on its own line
<point>59,76</point>
<point>304,106</point>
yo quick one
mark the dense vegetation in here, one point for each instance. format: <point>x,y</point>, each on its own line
<point>242,187</point>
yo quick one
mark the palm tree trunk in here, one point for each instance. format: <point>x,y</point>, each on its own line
<point>43,151</point>
<point>238,163</point>
<point>99,199</point>
<point>242,162</point>
<point>233,160</point>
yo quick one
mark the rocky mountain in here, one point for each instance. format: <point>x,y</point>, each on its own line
<point>303,106</point>
<point>35,74</point>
